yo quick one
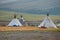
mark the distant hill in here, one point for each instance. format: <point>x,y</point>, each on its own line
<point>31,6</point>
<point>53,11</point>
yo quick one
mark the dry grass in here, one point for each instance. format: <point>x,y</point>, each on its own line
<point>28,33</point>
<point>6,28</point>
<point>17,28</point>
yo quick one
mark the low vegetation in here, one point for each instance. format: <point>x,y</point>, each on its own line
<point>42,34</point>
<point>7,15</point>
<point>28,28</point>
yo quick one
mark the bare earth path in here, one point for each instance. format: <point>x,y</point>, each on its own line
<point>29,35</point>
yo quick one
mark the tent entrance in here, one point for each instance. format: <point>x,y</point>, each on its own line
<point>15,25</point>
<point>43,27</point>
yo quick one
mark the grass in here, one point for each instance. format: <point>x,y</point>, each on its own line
<point>22,33</point>
<point>2,28</point>
<point>7,15</point>
<point>29,35</point>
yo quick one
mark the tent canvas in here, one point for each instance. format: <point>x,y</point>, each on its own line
<point>58,25</point>
<point>15,22</point>
<point>22,20</point>
<point>48,23</point>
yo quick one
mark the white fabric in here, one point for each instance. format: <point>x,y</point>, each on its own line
<point>58,24</point>
<point>23,19</point>
<point>15,22</point>
<point>47,22</point>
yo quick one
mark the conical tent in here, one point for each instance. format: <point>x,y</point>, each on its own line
<point>47,23</point>
<point>15,22</point>
<point>58,25</point>
<point>22,20</point>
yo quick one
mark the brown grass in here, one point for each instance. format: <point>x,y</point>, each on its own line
<point>6,28</point>
<point>17,28</point>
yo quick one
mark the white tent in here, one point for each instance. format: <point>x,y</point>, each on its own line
<point>22,20</point>
<point>58,25</point>
<point>47,23</point>
<point>15,22</point>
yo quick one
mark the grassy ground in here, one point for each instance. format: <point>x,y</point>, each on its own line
<point>29,35</point>
<point>6,28</point>
<point>7,15</point>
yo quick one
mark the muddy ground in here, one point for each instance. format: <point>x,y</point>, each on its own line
<point>29,35</point>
